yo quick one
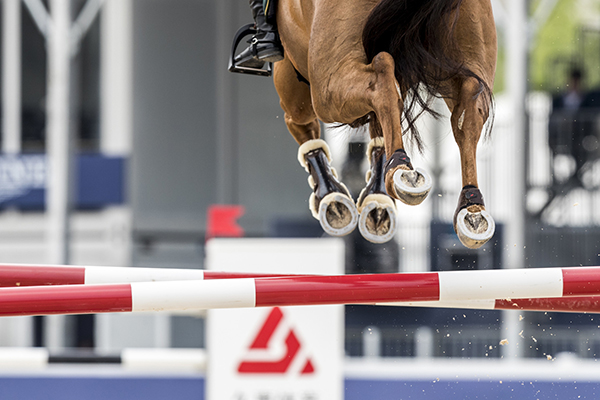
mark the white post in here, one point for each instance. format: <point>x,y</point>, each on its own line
<point>16,332</point>
<point>424,340</point>
<point>58,197</point>
<point>103,333</point>
<point>162,330</point>
<point>55,328</point>
<point>20,328</point>
<point>372,342</point>
<point>116,66</point>
<point>516,78</point>
<point>59,143</point>
<point>11,76</point>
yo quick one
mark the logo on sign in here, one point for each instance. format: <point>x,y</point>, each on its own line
<point>21,174</point>
<point>262,341</point>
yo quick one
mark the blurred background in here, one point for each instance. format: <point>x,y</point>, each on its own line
<point>121,126</point>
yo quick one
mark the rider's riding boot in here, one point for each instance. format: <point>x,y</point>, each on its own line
<point>265,46</point>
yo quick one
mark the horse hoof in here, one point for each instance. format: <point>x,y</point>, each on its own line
<point>474,229</point>
<point>377,222</point>
<point>412,186</point>
<point>337,214</point>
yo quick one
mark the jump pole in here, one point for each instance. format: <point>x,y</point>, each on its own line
<point>12,275</point>
<point>442,287</point>
<point>579,304</point>
<point>576,279</point>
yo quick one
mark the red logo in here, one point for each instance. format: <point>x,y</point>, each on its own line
<point>221,221</point>
<point>261,342</point>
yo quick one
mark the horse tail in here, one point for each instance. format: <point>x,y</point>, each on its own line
<point>420,37</point>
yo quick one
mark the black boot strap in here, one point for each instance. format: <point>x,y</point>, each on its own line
<point>398,159</point>
<point>470,196</point>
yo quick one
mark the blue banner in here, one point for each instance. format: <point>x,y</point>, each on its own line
<point>100,181</point>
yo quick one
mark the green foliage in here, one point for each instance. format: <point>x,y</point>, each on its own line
<point>500,79</point>
<point>555,49</point>
<point>564,41</point>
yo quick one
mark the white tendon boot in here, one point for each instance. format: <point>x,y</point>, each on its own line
<point>378,220</point>
<point>330,201</point>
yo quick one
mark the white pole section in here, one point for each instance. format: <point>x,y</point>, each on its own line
<point>516,78</point>
<point>11,76</point>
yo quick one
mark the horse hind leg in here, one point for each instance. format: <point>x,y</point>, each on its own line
<point>330,201</point>
<point>378,219</point>
<point>409,185</point>
<point>472,223</point>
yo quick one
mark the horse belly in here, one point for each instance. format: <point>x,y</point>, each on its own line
<point>294,20</point>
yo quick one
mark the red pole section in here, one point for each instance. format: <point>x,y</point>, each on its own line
<point>68,299</point>
<point>39,275</point>
<point>582,304</point>
<point>581,281</point>
<point>346,289</point>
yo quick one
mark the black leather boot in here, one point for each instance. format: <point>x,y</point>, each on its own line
<point>265,46</point>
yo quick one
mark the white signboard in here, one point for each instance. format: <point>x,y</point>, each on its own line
<point>280,353</point>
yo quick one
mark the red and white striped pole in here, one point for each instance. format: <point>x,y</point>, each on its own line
<point>442,287</point>
<point>40,275</point>
<point>448,284</point>
<point>579,304</point>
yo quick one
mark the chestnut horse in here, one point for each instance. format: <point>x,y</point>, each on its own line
<point>381,63</point>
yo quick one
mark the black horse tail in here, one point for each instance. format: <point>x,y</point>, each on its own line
<point>420,37</point>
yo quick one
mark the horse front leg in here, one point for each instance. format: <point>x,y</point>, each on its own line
<point>330,201</point>
<point>378,220</point>
<point>472,223</point>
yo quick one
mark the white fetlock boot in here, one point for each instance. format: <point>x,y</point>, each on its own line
<point>378,221</point>
<point>330,201</point>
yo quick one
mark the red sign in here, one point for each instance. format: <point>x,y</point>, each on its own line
<point>261,342</point>
<point>222,221</point>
